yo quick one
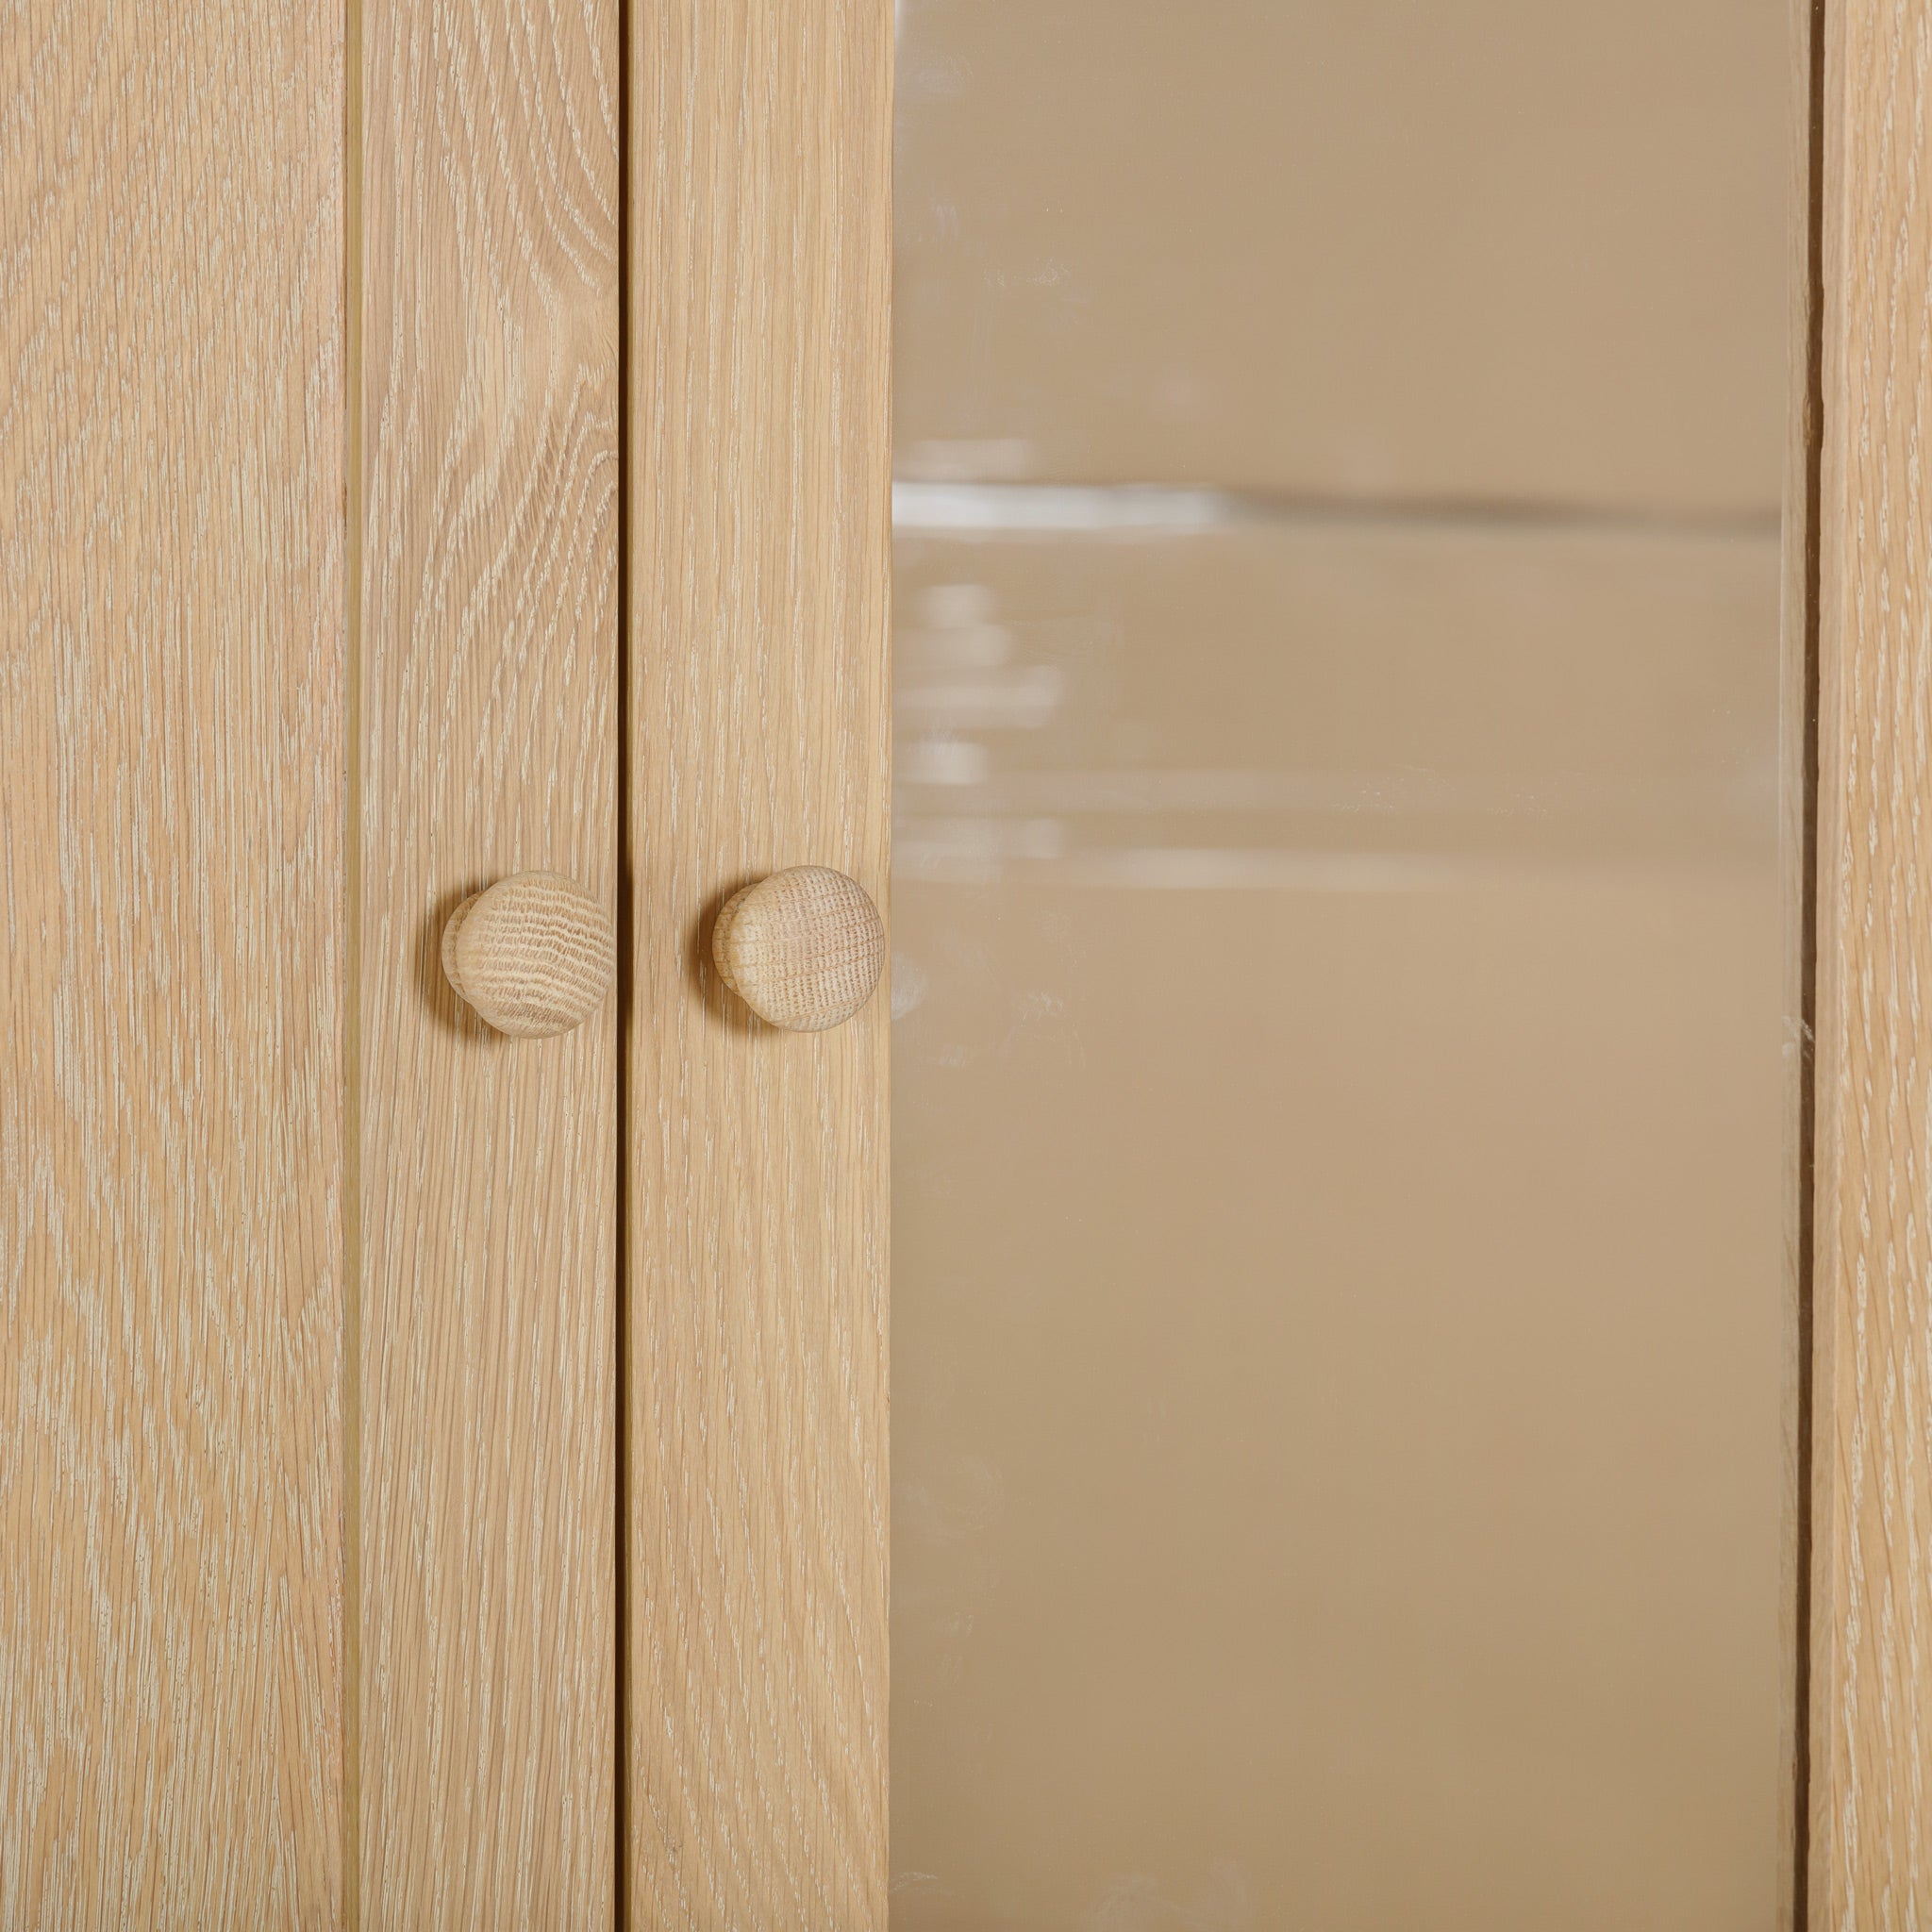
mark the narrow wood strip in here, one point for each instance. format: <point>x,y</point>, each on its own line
<point>489,422</point>
<point>1871,1833</point>
<point>1798,865</point>
<point>755,1368</point>
<point>352,969</point>
<point>171,995</point>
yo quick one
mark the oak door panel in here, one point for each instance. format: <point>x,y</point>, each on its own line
<point>172,875</point>
<point>754,1353</point>
<point>1870,1837</point>
<point>488,734</point>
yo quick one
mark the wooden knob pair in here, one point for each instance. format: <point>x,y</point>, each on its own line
<point>535,953</point>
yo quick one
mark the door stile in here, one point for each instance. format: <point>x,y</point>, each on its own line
<point>488,415</point>
<point>753,1371</point>
<point>1870,1829</point>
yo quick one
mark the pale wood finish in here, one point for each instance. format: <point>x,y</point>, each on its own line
<point>754,1357</point>
<point>171,877</point>
<point>803,949</point>
<point>489,422</point>
<point>1871,1828</point>
<point>534,955</point>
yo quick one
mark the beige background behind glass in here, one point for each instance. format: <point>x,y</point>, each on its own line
<point>1337,1298</point>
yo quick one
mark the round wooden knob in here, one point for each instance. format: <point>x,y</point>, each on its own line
<point>801,949</point>
<point>534,954</point>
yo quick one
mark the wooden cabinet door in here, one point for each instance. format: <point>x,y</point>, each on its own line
<point>175,1111</point>
<point>752,1645</point>
<point>442,1475</point>
<point>484,733</point>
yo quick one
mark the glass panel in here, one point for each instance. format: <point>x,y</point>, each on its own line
<point>1338,1312</point>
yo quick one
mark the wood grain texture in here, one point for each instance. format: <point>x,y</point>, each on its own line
<point>171,883</point>
<point>1871,1831</point>
<point>489,422</point>
<point>755,1354</point>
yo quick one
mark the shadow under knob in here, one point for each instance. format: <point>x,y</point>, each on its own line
<point>803,949</point>
<point>534,954</point>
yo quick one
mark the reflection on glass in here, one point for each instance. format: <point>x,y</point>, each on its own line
<point>1338,1311</point>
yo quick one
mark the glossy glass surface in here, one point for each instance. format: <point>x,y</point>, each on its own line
<point>1338,1314</point>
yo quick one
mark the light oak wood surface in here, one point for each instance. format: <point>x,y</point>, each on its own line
<point>1871,1826</point>
<point>754,1357</point>
<point>489,416</point>
<point>171,889</point>
<point>282,1648</point>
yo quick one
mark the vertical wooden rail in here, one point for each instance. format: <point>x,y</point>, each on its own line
<point>1870,1726</point>
<point>1798,859</point>
<point>490,492</point>
<point>171,985</point>
<point>754,1375</point>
